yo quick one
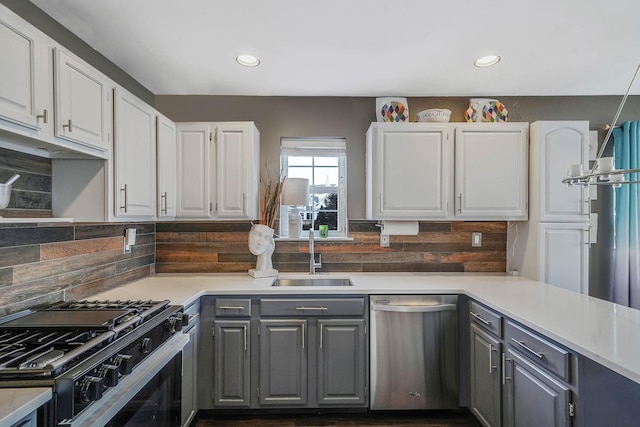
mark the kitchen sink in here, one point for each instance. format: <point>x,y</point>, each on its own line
<point>313,282</point>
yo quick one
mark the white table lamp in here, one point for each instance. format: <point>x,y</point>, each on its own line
<point>295,193</point>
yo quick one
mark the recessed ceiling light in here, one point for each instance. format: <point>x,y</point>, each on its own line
<point>487,61</point>
<point>248,60</point>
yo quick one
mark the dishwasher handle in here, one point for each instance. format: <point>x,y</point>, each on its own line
<point>414,308</point>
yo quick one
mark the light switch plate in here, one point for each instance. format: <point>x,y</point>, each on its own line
<point>384,240</point>
<point>476,240</point>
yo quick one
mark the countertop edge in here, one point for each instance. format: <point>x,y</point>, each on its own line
<point>17,403</point>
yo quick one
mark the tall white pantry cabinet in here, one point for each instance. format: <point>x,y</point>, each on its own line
<point>553,247</point>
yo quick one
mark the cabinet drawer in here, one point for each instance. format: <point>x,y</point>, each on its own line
<point>540,350</point>
<point>485,318</point>
<point>312,307</point>
<point>233,307</point>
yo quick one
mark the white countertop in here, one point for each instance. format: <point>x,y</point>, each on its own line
<point>17,403</point>
<point>604,332</point>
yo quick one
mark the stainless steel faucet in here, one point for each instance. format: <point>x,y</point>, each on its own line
<point>312,261</point>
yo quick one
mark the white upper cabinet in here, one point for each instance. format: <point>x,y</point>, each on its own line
<point>236,165</point>
<point>83,105</point>
<point>25,87</point>
<point>555,145</point>
<point>221,181</point>
<point>134,156</point>
<point>408,171</point>
<point>194,174</point>
<point>491,173</point>
<point>166,167</point>
<point>467,171</point>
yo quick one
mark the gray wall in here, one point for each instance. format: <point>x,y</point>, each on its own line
<point>31,13</point>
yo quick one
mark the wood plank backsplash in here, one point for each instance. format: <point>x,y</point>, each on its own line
<point>52,262</point>
<point>31,193</point>
<point>213,247</point>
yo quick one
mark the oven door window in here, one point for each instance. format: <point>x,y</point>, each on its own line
<point>158,404</point>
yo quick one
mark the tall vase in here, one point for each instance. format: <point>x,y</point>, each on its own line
<point>261,243</point>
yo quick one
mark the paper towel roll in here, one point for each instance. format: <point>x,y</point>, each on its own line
<point>400,228</point>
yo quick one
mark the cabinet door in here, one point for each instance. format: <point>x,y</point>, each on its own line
<point>283,362</point>
<point>233,170</point>
<point>409,168</point>
<point>190,376</point>
<point>231,355</point>
<point>135,156</point>
<point>564,255</point>
<point>485,378</point>
<point>491,165</point>
<point>83,105</point>
<point>24,67</point>
<point>342,362</point>
<point>166,175</point>
<point>193,195</point>
<point>533,397</point>
<point>554,147</point>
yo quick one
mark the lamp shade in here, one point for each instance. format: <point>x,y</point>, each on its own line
<point>295,192</point>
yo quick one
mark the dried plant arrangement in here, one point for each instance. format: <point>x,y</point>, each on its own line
<point>270,191</point>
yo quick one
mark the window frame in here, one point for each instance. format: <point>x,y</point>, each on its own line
<point>317,147</point>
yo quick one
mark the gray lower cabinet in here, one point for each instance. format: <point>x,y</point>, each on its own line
<point>283,362</point>
<point>534,398</point>
<point>342,367</point>
<point>231,363</point>
<point>485,377</point>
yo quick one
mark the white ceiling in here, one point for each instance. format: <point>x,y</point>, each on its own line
<point>364,47</point>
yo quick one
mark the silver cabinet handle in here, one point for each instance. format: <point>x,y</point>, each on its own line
<point>321,332</point>
<point>414,308</point>
<point>245,336</point>
<point>125,198</point>
<point>478,318</point>
<point>44,116</point>
<point>244,202</point>
<point>530,350</point>
<point>231,307</point>
<point>163,197</point>
<point>504,369</point>
<point>460,203</point>
<point>380,203</point>
<point>303,336</point>
<point>311,308</point>
<point>68,125</point>
<point>491,350</point>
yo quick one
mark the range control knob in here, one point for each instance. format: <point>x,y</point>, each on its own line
<point>185,319</point>
<point>175,323</point>
<point>110,375</point>
<point>91,389</point>
<point>124,362</point>
<point>146,345</point>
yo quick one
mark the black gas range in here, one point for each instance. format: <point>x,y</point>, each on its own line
<point>83,350</point>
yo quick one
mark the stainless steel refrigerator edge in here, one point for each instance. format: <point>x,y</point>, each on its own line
<point>414,352</point>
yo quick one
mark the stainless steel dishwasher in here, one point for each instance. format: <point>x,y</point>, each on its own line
<point>414,352</point>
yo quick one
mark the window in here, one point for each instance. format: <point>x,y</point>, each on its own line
<point>324,163</point>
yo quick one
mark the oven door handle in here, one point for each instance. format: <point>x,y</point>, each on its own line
<point>103,410</point>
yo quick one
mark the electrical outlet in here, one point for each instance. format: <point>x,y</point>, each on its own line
<point>476,240</point>
<point>384,240</point>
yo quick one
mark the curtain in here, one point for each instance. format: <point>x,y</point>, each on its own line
<point>626,272</point>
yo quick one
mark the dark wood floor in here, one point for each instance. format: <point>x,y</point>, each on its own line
<point>461,418</point>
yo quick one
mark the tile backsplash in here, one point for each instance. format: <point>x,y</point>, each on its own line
<point>43,263</point>
<point>214,247</point>
<point>53,262</point>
